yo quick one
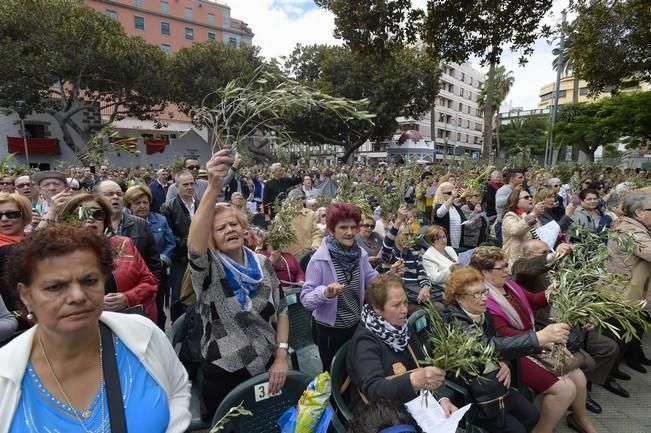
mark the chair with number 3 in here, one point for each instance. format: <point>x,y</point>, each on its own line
<point>254,395</point>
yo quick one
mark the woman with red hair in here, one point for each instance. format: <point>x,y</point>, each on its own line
<point>335,281</point>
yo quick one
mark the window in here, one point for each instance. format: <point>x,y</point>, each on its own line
<point>189,33</point>
<point>139,22</point>
<point>167,49</point>
<point>461,92</point>
<point>463,76</point>
<point>460,106</point>
<point>165,28</point>
<point>211,19</point>
<point>232,42</point>
<point>188,13</point>
<point>138,3</point>
<point>583,91</point>
<point>164,7</point>
<point>211,36</point>
<point>111,14</point>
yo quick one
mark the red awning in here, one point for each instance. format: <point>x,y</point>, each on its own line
<point>154,146</point>
<point>35,146</point>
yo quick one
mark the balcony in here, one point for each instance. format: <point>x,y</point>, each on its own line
<point>35,146</point>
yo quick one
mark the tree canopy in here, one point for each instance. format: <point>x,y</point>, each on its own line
<point>63,58</point>
<point>401,84</point>
<point>611,43</point>
<point>590,125</point>
<point>527,135</point>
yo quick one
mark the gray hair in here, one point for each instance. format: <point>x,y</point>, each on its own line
<point>635,200</point>
<point>613,200</point>
<point>183,173</point>
<point>553,180</point>
<point>495,173</point>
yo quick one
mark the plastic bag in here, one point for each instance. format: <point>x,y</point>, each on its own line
<point>287,421</point>
<point>313,403</point>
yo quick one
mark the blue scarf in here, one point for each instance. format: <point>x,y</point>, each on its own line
<point>243,279</point>
<point>347,258</point>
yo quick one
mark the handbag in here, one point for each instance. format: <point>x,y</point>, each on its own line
<point>489,396</point>
<point>112,381</point>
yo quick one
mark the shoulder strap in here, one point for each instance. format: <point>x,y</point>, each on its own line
<point>413,355</point>
<point>112,381</point>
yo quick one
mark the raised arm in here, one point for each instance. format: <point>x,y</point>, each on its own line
<point>201,226</point>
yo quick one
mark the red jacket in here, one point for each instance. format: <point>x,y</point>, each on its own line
<point>132,276</point>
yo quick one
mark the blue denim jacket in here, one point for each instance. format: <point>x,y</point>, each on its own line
<point>162,235</point>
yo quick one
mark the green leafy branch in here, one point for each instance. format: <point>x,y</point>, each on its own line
<point>281,235</point>
<point>454,350</point>
<point>232,413</point>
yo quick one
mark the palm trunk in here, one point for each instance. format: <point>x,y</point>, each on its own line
<point>488,112</point>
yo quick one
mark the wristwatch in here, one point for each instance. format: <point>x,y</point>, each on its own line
<point>283,346</point>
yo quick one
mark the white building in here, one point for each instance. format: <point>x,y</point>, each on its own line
<point>452,131</point>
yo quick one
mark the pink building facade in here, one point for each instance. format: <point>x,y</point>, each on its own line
<point>174,24</point>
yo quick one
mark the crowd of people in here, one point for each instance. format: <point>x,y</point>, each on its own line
<point>79,249</point>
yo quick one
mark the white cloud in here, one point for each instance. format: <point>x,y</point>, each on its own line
<point>280,24</point>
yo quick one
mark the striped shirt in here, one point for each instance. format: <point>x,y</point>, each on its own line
<point>348,309</point>
<point>415,277</point>
<point>455,224</point>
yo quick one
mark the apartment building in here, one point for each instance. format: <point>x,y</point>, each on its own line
<point>453,130</point>
<point>566,93</point>
<point>174,24</point>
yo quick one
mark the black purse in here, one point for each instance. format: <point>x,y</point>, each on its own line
<point>112,381</point>
<point>489,397</point>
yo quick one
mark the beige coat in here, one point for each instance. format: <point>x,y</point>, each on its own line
<point>308,235</point>
<point>638,267</point>
<point>515,232</point>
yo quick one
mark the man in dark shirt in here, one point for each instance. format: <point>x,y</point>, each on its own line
<point>274,187</point>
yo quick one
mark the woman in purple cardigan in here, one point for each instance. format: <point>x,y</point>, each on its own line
<point>335,281</point>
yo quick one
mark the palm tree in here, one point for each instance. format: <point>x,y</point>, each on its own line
<point>502,84</point>
<point>567,68</point>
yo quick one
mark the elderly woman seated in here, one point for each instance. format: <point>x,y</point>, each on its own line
<point>381,361</point>
<point>439,257</point>
<point>512,309</point>
<point>467,299</point>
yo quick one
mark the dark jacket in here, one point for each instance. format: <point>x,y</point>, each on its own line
<point>531,272</point>
<point>370,361</point>
<point>178,218</point>
<point>158,193</point>
<point>273,188</point>
<point>445,222</point>
<point>137,229</point>
<point>237,185</point>
<point>548,216</point>
<point>509,347</point>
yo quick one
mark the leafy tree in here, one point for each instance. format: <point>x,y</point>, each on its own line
<point>611,42</point>
<point>525,135</point>
<point>452,30</point>
<point>585,126</point>
<point>65,59</point>
<point>503,82</point>
<point>205,67</point>
<point>403,83</point>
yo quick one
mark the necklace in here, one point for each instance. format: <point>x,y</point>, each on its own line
<point>85,413</point>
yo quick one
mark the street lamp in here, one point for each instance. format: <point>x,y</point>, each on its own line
<point>22,109</point>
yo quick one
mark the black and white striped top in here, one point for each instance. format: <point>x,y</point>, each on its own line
<point>348,309</point>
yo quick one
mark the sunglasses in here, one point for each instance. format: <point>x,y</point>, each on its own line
<point>368,226</point>
<point>6,183</point>
<point>11,214</point>
<point>526,197</point>
<point>447,193</point>
<point>22,185</point>
<point>94,213</point>
<point>193,167</point>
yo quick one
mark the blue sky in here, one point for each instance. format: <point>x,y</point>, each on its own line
<point>280,24</point>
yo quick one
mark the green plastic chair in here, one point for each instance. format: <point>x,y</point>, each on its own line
<point>300,330</point>
<point>175,336</point>
<point>341,384</point>
<point>253,395</point>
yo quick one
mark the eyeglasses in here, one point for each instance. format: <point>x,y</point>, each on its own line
<point>95,213</point>
<point>193,167</point>
<point>11,214</point>
<point>22,185</point>
<point>368,226</point>
<point>478,295</point>
<point>526,197</point>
